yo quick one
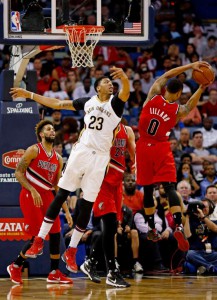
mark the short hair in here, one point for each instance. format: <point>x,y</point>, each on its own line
<point>211,186</point>
<point>186,155</point>
<point>40,126</point>
<point>184,181</point>
<point>197,132</point>
<point>98,81</point>
<point>174,86</point>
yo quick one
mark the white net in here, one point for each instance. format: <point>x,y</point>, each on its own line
<point>82,41</point>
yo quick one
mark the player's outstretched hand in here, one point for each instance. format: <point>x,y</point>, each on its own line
<point>198,64</point>
<point>117,73</point>
<point>18,92</point>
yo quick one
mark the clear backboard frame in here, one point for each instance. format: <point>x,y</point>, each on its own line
<point>56,36</point>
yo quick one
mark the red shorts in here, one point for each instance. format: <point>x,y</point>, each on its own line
<point>33,216</point>
<point>108,200</point>
<point>154,163</point>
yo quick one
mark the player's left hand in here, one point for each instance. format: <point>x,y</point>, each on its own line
<point>69,219</point>
<point>117,73</point>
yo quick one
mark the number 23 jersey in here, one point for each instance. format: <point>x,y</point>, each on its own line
<point>157,118</point>
<point>100,122</point>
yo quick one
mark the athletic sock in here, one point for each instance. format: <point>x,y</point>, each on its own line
<point>45,227</point>
<point>76,236</point>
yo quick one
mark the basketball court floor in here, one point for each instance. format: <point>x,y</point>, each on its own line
<point>149,287</point>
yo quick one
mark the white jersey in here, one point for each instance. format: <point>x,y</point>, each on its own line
<point>100,124</point>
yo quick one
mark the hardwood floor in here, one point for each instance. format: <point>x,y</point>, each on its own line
<point>149,287</point>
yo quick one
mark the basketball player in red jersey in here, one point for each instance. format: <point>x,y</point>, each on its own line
<point>38,172</point>
<point>154,159</point>
<point>108,207</point>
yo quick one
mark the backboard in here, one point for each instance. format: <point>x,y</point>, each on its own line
<point>126,22</point>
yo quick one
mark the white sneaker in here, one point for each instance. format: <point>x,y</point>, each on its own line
<point>138,267</point>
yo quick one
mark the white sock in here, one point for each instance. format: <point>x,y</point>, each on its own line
<point>75,238</point>
<point>45,228</point>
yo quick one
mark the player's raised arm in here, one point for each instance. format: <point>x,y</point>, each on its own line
<point>192,102</point>
<point>118,73</point>
<point>46,101</point>
<point>162,80</point>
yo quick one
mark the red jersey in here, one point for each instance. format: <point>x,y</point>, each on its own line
<point>117,162</point>
<point>157,118</point>
<point>43,170</point>
<point>109,198</point>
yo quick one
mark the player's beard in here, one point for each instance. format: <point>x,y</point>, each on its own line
<point>49,139</point>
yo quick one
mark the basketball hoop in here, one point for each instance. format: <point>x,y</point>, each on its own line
<point>82,40</point>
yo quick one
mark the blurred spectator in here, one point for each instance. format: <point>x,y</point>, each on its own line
<point>147,80</point>
<point>209,109</point>
<point>137,97</point>
<point>55,91</point>
<point>85,90</point>
<point>37,66</point>
<point>148,59</point>
<point>132,198</point>
<point>99,62</point>
<point>185,172</point>
<point>175,151</point>
<point>166,66</point>
<point>68,135</point>
<point>57,119</point>
<point>48,61</point>
<point>160,49</point>
<point>184,141</point>
<point>184,189</point>
<point>201,233</point>
<point>186,158</point>
<point>194,117</point>
<point>190,50</point>
<point>109,53</point>
<point>43,84</point>
<point>175,34</point>
<point>199,154</point>
<point>72,81</point>
<point>174,55</point>
<point>151,255</point>
<point>187,89</point>
<point>125,233</point>
<point>198,39</point>
<point>209,136</point>
<point>210,179</point>
<point>60,72</point>
<point>211,194</point>
<point>209,52</point>
<point>123,59</point>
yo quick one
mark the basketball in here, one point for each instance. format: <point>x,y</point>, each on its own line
<point>204,78</point>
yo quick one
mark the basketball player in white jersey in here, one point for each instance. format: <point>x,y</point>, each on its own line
<point>89,157</point>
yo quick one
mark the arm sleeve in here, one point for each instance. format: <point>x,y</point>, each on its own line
<point>117,105</point>
<point>79,103</point>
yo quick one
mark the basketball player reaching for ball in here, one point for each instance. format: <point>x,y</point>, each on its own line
<point>108,207</point>
<point>154,159</point>
<point>89,157</point>
<point>38,172</point>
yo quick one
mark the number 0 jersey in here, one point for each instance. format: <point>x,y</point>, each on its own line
<point>157,118</point>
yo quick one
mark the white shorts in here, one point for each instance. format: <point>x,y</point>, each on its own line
<point>85,169</point>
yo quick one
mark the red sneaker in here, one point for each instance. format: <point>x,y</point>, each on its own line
<point>59,277</point>
<point>15,274</point>
<point>179,235</point>
<point>69,257</point>
<point>36,248</point>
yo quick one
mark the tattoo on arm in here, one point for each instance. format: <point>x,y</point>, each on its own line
<point>22,165</point>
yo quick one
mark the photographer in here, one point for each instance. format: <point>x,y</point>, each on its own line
<point>202,237</point>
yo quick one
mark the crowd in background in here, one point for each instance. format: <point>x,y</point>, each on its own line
<point>180,39</point>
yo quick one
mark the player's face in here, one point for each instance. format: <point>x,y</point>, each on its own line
<point>48,133</point>
<point>106,86</point>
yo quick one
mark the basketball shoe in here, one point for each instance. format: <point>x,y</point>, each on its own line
<point>179,235</point>
<point>15,273</point>
<point>58,277</point>
<point>89,268</point>
<point>153,235</point>
<point>115,278</point>
<point>36,248</point>
<point>69,257</point>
